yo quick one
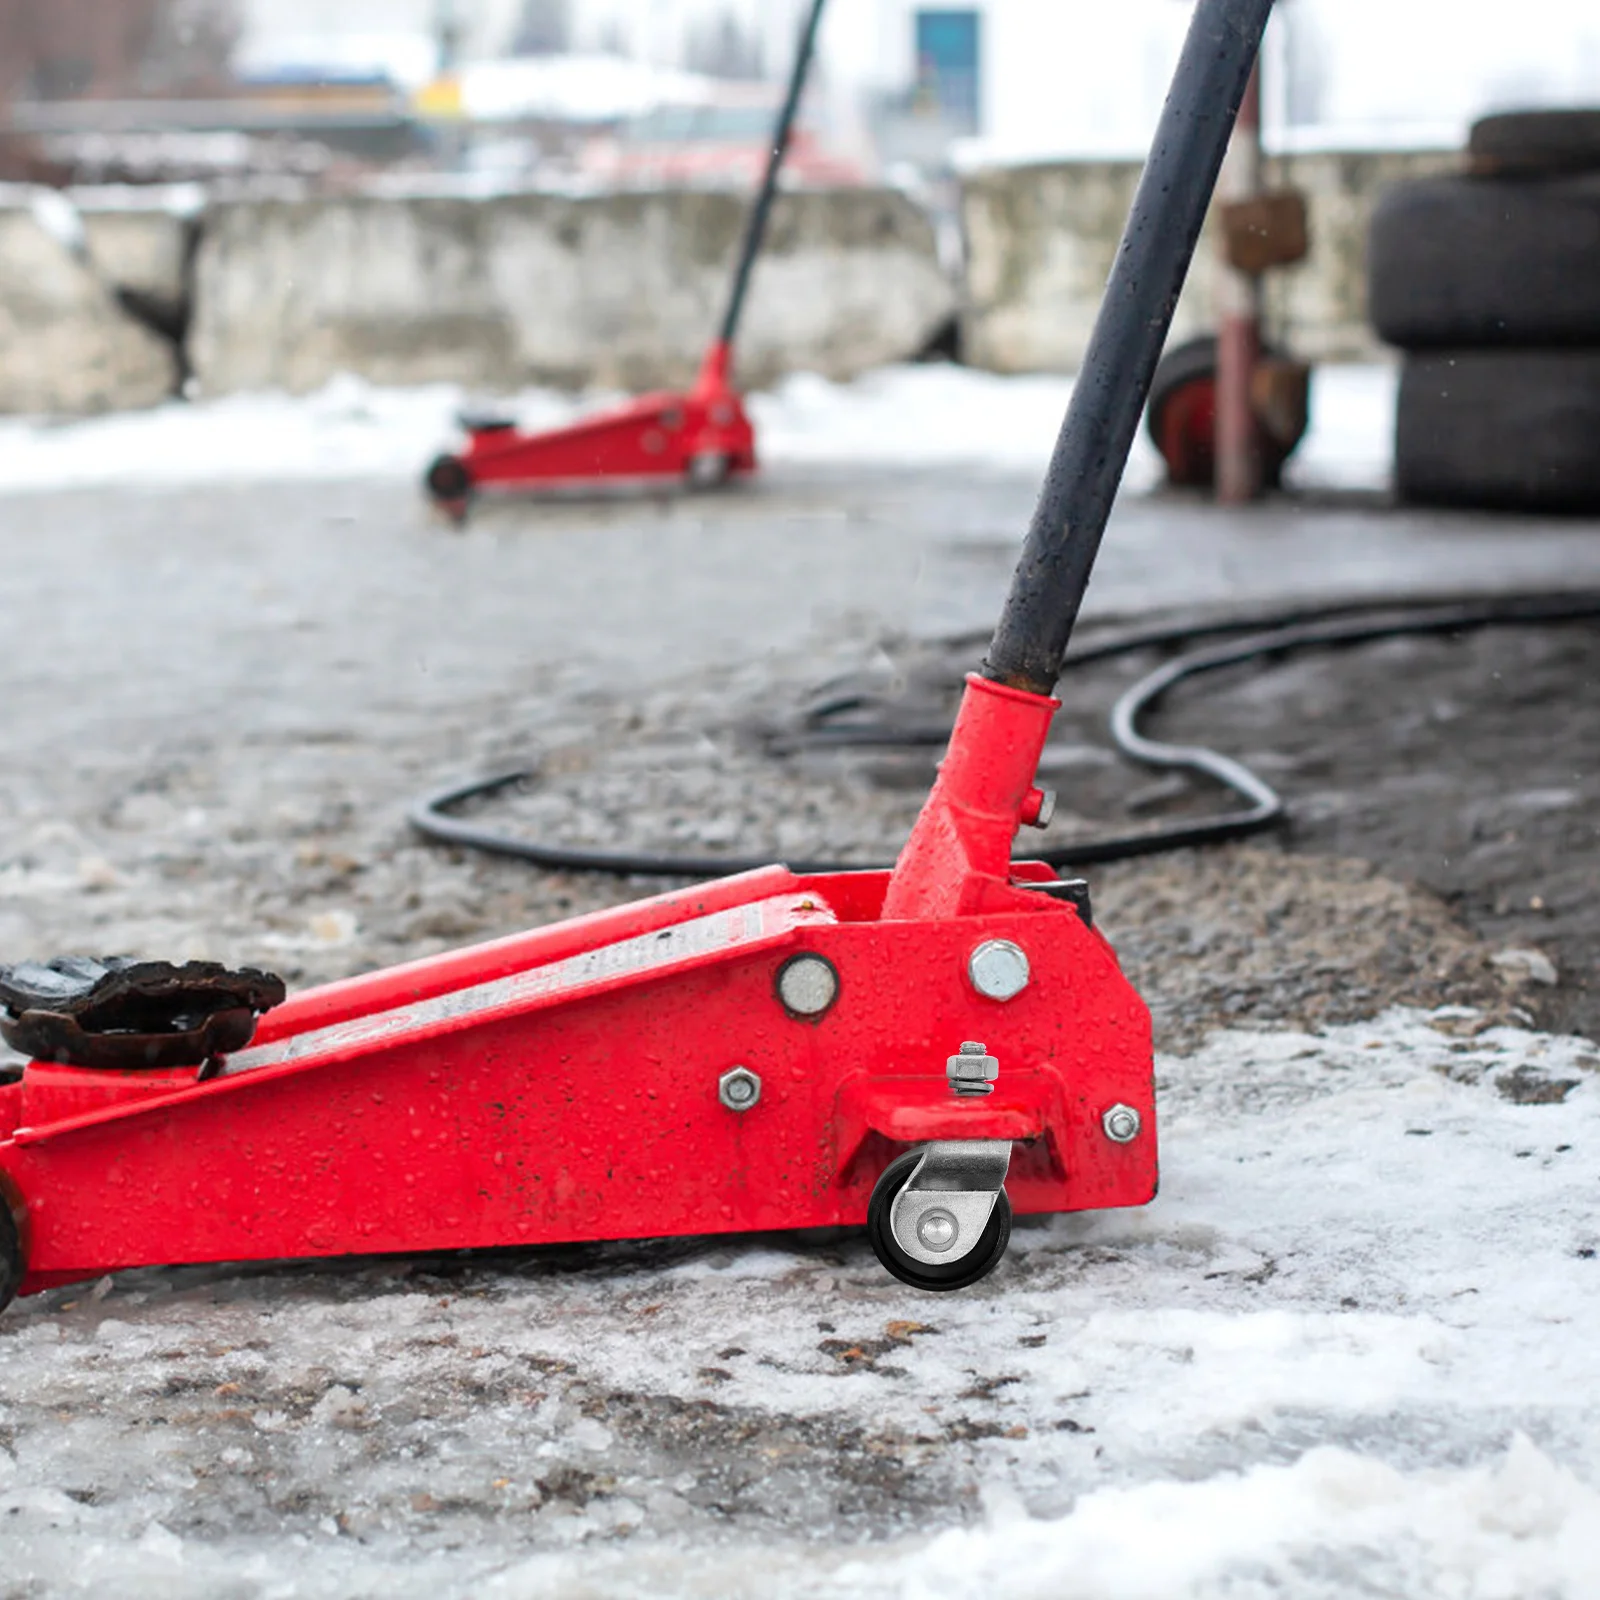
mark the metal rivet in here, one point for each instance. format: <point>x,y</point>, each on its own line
<point>739,1089</point>
<point>1122,1124</point>
<point>998,969</point>
<point>807,985</point>
<point>937,1230</point>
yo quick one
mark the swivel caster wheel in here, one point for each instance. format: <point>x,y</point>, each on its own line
<point>939,1238</point>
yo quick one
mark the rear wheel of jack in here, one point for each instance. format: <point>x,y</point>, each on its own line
<point>449,486</point>
<point>710,469</point>
<point>10,1256</point>
<point>965,1270</point>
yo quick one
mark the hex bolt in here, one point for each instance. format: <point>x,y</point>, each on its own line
<point>1040,808</point>
<point>1122,1124</point>
<point>972,1071</point>
<point>807,985</point>
<point>998,969</point>
<point>739,1089</point>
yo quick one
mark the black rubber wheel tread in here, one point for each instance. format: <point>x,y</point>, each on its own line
<point>1514,430</point>
<point>977,1263</point>
<point>447,480</point>
<point>1536,144</point>
<point>1473,263</point>
<point>10,1255</point>
<point>1195,361</point>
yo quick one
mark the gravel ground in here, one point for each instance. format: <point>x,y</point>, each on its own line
<point>212,727</point>
<point>218,767</point>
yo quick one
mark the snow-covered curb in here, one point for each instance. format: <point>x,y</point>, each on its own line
<point>920,416</point>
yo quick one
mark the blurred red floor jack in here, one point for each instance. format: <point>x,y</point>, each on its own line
<point>699,437</point>
<point>917,1049</point>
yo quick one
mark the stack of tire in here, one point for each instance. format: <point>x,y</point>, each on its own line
<point>1490,283</point>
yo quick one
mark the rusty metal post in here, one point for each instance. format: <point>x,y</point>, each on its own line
<point>1239,319</point>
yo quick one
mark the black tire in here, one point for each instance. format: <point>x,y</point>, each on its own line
<point>448,481</point>
<point>10,1255</point>
<point>1535,144</point>
<point>1472,263</point>
<point>1517,430</point>
<point>1195,362</point>
<point>1181,364</point>
<point>977,1263</point>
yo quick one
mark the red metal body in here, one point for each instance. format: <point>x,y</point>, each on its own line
<point>563,1084</point>
<point>704,432</point>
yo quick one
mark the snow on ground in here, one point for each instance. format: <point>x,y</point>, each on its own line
<point>896,417</point>
<point>1348,1351</point>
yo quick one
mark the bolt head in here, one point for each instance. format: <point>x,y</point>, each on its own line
<point>807,985</point>
<point>1122,1124</point>
<point>937,1230</point>
<point>739,1089</point>
<point>998,969</point>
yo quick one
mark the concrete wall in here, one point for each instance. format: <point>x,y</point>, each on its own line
<point>1041,239</point>
<point>620,290</point>
<point>66,346</point>
<point>144,249</point>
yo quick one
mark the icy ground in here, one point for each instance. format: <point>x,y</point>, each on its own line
<point>1348,1351</point>
<point>900,416</point>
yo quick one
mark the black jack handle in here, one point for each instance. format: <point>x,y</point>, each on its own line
<point>755,230</point>
<point>1091,451</point>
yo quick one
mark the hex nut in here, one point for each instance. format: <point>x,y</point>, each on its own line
<point>807,985</point>
<point>1122,1124</point>
<point>739,1089</point>
<point>972,1071</point>
<point>998,969</point>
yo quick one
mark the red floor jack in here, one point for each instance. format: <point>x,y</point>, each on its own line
<point>699,438</point>
<point>920,1049</point>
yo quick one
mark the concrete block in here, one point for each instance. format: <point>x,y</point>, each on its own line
<point>618,290</point>
<point>1041,239</point>
<point>140,242</point>
<point>65,345</point>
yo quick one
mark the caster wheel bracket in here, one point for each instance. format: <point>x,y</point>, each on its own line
<point>940,1215</point>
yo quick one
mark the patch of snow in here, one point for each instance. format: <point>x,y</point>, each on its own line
<point>1516,1525</point>
<point>1531,964</point>
<point>907,416</point>
<point>175,199</point>
<point>58,216</point>
<point>1350,441</point>
<point>348,429</point>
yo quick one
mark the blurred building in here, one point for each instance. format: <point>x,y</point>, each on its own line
<point>523,86</point>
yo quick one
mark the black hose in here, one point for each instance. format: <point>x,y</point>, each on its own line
<point>1346,624</point>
